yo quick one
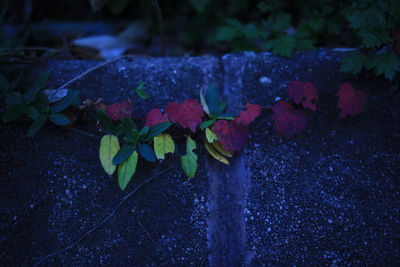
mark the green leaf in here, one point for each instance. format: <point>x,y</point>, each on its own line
<point>282,46</point>
<point>163,144</point>
<point>389,64</point>
<point>32,112</point>
<point>14,112</point>
<point>59,119</point>
<point>38,85</point>
<point>64,102</point>
<point>226,33</point>
<point>41,102</point>
<point>36,125</point>
<point>189,161</point>
<point>369,39</point>
<point>147,152</point>
<point>126,127</point>
<point>157,129</point>
<point>126,170</point>
<point>212,98</point>
<point>109,146</point>
<point>199,5</point>
<point>211,136</point>
<point>353,62</point>
<point>123,153</point>
<point>141,92</point>
<point>105,121</point>
<point>206,124</point>
<point>144,131</point>
<point>13,98</point>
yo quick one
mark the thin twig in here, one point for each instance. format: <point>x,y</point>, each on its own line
<point>90,70</point>
<point>105,219</point>
<point>86,72</point>
<point>82,132</point>
<point>161,26</point>
<point>145,230</point>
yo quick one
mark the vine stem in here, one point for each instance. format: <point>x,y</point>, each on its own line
<point>105,219</point>
<point>90,70</point>
<point>86,72</point>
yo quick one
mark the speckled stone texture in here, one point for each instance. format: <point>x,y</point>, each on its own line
<point>330,196</point>
<point>53,188</point>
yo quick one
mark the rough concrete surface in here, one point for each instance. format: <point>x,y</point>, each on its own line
<point>327,197</point>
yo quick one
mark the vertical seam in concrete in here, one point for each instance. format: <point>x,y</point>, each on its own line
<point>227,194</point>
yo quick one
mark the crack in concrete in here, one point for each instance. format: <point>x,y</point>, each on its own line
<point>228,189</point>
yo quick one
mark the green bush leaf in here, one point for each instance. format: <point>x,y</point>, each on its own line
<point>353,62</point>
<point>36,125</point>
<point>127,169</point>
<point>189,161</point>
<point>38,85</point>
<point>109,146</point>
<point>59,119</point>
<point>64,102</point>
<point>105,121</point>
<point>124,153</point>
<point>163,144</point>
<point>199,5</point>
<point>227,33</point>
<point>14,112</point>
<point>147,152</point>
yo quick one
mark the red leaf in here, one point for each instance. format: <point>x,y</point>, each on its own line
<point>118,111</point>
<point>188,114</point>
<point>288,121</point>
<point>351,101</point>
<point>155,117</point>
<point>304,93</point>
<point>249,115</point>
<point>231,136</point>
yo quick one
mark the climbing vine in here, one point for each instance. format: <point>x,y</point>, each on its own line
<point>127,140</point>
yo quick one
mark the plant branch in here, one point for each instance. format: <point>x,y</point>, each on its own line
<point>105,219</point>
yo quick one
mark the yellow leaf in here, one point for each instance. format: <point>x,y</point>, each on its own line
<point>222,150</point>
<point>163,144</point>
<point>213,152</point>
<point>127,169</point>
<point>211,136</point>
<point>109,146</point>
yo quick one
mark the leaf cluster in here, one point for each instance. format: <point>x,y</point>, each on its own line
<point>375,23</point>
<point>35,102</point>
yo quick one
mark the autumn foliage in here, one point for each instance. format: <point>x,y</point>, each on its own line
<point>223,133</point>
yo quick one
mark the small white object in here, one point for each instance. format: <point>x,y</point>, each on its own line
<point>265,80</point>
